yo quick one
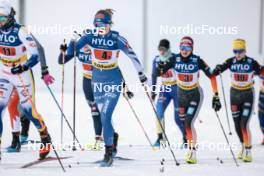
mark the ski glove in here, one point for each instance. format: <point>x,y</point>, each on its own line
<point>63,47</point>
<point>142,77</point>
<point>48,79</point>
<point>217,70</point>
<point>129,94</point>
<point>216,102</point>
<point>153,96</point>
<point>126,92</point>
<point>19,69</point>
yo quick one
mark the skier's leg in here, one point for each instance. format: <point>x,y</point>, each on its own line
<point>15,122</point>
<point>25,124</point>
<point>191,115</point>
<point>177,119</point>
<point>161,106</point>
<point>236,109</point>
<point>24,84</point>
<point>244,124</point>
<point>88,92</point>
<point>6,89</point>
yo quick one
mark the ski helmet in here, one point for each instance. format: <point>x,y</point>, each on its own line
<point>7,13</point>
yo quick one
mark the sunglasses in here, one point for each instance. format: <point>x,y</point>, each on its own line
<point>100,25</point>
<point>3,19</point>
<point>240,51</point>
<point>186,48</point>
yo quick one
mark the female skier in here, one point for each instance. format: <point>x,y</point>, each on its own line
<point>243,69</point>
<point>16,43</point>
<point>190,96</point>
<point>105,45</point>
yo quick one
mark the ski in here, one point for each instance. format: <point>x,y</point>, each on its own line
<point>116,158</point>
<point>39,161</point>
<point>30,142</point>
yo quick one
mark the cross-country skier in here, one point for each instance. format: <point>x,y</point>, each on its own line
<point>84,57</point>
<point>16,43</point>
<point>105,45</point>
<point>190,95</point>
<point>168,89</point>
<point>261,104</point>
<point>243,69</point>
<point>17,117</point>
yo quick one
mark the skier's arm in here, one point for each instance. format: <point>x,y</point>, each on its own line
<point>256,67</point>
<point>209,73</point>
<point>31,47</point>
<point>42,57</point>
<point>125,47</point>
<point>220,68</point>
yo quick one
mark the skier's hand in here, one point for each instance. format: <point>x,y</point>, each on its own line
<point>19,69</point>
<point>63,47</point>
<point>217,70</point>
<point>129,94</point>
<point>142,77</point>
<point>47,78</point>
<point>75,36</point>
<point>216,102</point>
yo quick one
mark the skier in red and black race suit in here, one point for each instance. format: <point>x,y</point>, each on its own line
<point>190,95</point>
<point>243,69</point>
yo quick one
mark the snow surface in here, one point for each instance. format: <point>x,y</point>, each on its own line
<point>132,144</point>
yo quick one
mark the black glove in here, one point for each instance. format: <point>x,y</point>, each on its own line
<point>217,70</point>
<point>129,94</point>
<point>19,69</point>
<point>142,77</point>
<point>126,92</point>
<point>153,96</point>
<point>63,47</point>
<point>216,102</point>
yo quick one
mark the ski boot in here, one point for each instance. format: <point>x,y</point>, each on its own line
<point>116,136</point>
<point>46,144</point>
<point>248,157</point>
<point>108,157</point>
<point>241,153</point>
<point>15,145</point>
<point>159,141</point>
<point>98,142</point>
<point>191,157</point>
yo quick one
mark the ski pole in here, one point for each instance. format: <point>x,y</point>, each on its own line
<point>136,116</point>
<point>64,116</point>
<point>163,131</point>
<point>33,106</point>
<point>223,90</point>
<point>232,153</point>
<point>74,98</point>
<point>62,91</point>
